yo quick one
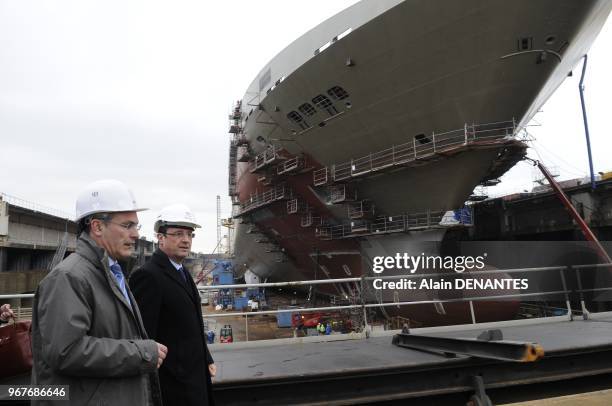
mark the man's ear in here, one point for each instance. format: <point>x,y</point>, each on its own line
<point>96,227</point>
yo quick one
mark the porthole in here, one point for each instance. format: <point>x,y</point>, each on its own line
<point>307,109</point>
<point>338,93</point>
<point>324,103</point>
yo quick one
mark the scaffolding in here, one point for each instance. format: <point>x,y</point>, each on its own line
<point>235,117</point>
<point>233,158</point>
<point>238,140</point>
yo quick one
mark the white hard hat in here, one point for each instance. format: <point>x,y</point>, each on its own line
<point>177,215</point>
<point>105,196</point>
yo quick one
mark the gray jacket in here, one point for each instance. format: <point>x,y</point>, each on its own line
<point>86,335</point>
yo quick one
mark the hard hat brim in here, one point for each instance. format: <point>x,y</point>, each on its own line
<point>160,224</point>
<point>89,213</point>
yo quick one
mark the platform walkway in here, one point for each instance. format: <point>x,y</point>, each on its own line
<point>360,371</point>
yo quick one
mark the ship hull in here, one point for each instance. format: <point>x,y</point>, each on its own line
<point>406,71</point>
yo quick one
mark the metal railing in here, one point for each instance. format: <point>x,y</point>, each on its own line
<point>567,294</point>
<point>341,194</point>
<point>290,165</point>
<point>418,148</point>
<point>45,240</point>
<point>267,157</point>
<point>15,201</point>
<point>360,282</point>
<point>17,296</point>
<point>310,219</point>
<point>361,209</point>
<point>279,192</point>
<point>390,224</point>
<point>320,176</point>
<point>297,206</point>
<point>306,220</point>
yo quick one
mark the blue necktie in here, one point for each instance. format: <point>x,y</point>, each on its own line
<point>118,274</point>
<point>182,272</point>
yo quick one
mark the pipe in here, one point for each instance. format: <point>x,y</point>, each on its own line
<point>586,123</point>
<point>586,230</point>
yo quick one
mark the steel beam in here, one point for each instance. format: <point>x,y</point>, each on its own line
<point>497,349</point>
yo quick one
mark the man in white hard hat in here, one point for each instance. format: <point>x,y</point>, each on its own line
<point>87,332</point>
<point>172,311</point>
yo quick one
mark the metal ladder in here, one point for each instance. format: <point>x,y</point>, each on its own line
<point>59,252</point>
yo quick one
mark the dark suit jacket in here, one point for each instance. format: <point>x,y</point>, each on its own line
<point>172,314</point>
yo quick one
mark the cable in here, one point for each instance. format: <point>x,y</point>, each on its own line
<point>541,146</point>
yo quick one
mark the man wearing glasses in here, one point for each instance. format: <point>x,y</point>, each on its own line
<point>172,311</point>
<point>87,332</point>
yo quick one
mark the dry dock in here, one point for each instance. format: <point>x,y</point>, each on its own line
<point>366,371</point>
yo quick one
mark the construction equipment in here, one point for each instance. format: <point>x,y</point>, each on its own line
<point>226,335</point>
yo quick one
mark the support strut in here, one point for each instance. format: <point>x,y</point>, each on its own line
<point>588,234</point>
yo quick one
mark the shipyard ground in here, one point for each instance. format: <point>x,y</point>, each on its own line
<point>364,371</point>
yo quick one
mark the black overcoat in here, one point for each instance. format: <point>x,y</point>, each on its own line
<point>172,314</point>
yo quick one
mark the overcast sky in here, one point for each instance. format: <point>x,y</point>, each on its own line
<point>140,91</point>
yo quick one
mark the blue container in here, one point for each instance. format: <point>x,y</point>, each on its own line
<point>223,278</point>
<point>241,303</point>
<point>283,319</point>
<point>221,267</point>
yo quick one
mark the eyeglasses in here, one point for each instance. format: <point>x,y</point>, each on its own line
<point>181,235</point>
<point>128,226</point>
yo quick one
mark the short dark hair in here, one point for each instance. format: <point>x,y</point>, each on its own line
<point>85,223</point>
<point>164,229</point>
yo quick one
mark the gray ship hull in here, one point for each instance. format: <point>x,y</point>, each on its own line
<point>387,73</point>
